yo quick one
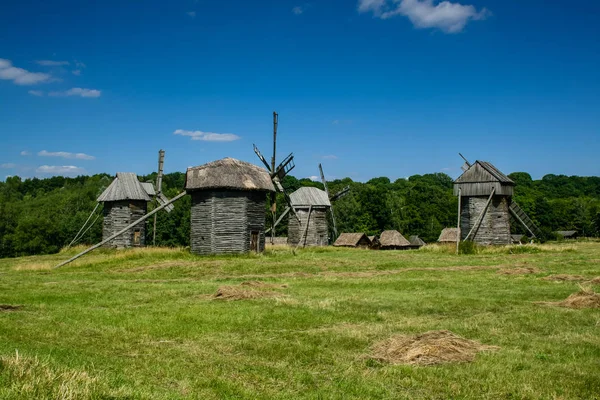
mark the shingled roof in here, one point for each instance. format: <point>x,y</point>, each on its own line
<point>310,196</point>
<point>228,173</point>
<point>483,171</point>
<point>125,186</point>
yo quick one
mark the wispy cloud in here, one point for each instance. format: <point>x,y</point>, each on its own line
<point>445,16</point>
<point>79,92</point>
<point>208,136</point>
<point>52,63</point>
<point>330,157</point>
<point>76,72</point>
<point>60,170</point>
<point>313,178</point>
<point>8,166</point>
<point>65,154</point>
<point>37,93</point>
<point>25,153</point>
<point>21,76</point>
<point>298,10</point>
<point>191,14</point>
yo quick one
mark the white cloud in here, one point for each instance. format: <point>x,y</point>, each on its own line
<point>51,63</point>
<point>37,93</point>
<point>60,170</point>
<point>20,76</point>
<point>445,16</point>
<point>79,64</point>
<point>76,72</point>
<point>8,166</point>
<point>25,153</point>
<point>207,136</point>
<point>330,157</point>
<point>298,10</point>
<point>314,178</point>
<point>65,154</point>
<point>77,92</point>
<point>192,14</point>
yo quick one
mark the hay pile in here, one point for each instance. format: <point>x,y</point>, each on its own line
<point>248,290</point>
<point>519,271</point>
<point>563,278</point>
<point>595,281</point>
<point>430,348</point>
<point>585,298</point>
<point>9,307</point>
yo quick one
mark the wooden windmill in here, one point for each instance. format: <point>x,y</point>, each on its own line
<point>277,174</point>
<point>160,198</point>
<point>333,198</point>
<point>486,206</point>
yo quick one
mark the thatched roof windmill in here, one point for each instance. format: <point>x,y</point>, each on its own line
<point>228,206</point>
<point>486,205</point>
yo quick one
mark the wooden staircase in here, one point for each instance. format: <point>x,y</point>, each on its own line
<point>519,215</point>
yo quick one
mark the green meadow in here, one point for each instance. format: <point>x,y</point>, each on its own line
<point>145,324</point>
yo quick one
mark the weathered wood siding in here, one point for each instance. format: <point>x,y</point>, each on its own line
<point>483,189</point>
<point>495,225</point>
<point>222,221</point>
<point>318,228</point>
<point>119,214</point>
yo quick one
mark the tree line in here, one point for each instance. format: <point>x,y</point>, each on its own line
<point>40,216</point>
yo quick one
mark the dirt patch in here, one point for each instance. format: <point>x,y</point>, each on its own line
<point>563,278</point>
<point>585,298</point>
<point>519,271</point>
<point>9,307</point>
<point>430,348</point>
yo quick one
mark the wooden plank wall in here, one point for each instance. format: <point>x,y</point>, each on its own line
<point>222,221</point>
<point>318,228</point>
<point>119,214</point>
<point>495,225</point>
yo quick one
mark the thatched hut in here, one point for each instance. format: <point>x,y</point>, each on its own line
<point>448,235</point>
<point>357,240</point>
<point>569,235</point>
<point>228,206</point>
<point>393,240</point>
<point>375,243</point>
<point>416,242</point>
<point>125,201</point>
<point>311,205</point>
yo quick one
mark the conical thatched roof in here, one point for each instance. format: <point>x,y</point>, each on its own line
<point>448,235</point>
<point>125,186</point>
<point>393,238</point>
<point>228,173</point>
<point>310,196</point>
<point>350,239</point>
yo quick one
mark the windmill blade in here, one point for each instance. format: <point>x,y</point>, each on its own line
<point>262,158</point>
<point>284,167</point>
<point>159,177</point>
<point>285,212</point>
<point>340,194</point>
<point>335,234</point>
<point>162,200</point>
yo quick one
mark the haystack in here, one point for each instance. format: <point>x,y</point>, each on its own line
<point>430,348</point>
<point>353,240</point>
<point>393,240</point>
<point>585,298</point>
<point>449,235</point>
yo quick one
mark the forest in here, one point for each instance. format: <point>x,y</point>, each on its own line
<point>41,216</point>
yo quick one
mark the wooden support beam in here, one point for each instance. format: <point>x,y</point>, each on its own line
<point>514,214</point>
<point>458,223</point>
<point>128,227</point>
<point>303,237</point>
<point>285,212</point>
<point>480,217</point>
<point>84,225</point>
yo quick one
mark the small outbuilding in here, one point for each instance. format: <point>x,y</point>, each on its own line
<point>567,234</point>
<point>311,205</point>
<point>125,201</point>
<point>448,235</point>
<point>393,240</point>
<point>228,206</point>
<point>357,240</point>
<point>375,244</point>
<point>416,242</point>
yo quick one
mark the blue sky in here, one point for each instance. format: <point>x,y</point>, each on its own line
<point>367,87</point>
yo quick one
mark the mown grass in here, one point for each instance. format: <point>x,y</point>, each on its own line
<point>140,324</point>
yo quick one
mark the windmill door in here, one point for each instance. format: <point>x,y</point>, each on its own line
<point>137,237</point>
<point>254,241</point>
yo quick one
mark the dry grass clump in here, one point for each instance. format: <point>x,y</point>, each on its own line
<point>595,281</point>
<point>30,378</point>
<point>519,271</point>
<point>585,298</point>
<point>563,278</point>
<point>248,290</point>
<point>9,307</point>
<point>430,348</point>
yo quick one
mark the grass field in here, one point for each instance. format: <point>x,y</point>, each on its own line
<point>140,324</point>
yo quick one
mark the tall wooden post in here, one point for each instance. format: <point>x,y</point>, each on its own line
<point>458,223</point>
<point>274,194</point>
